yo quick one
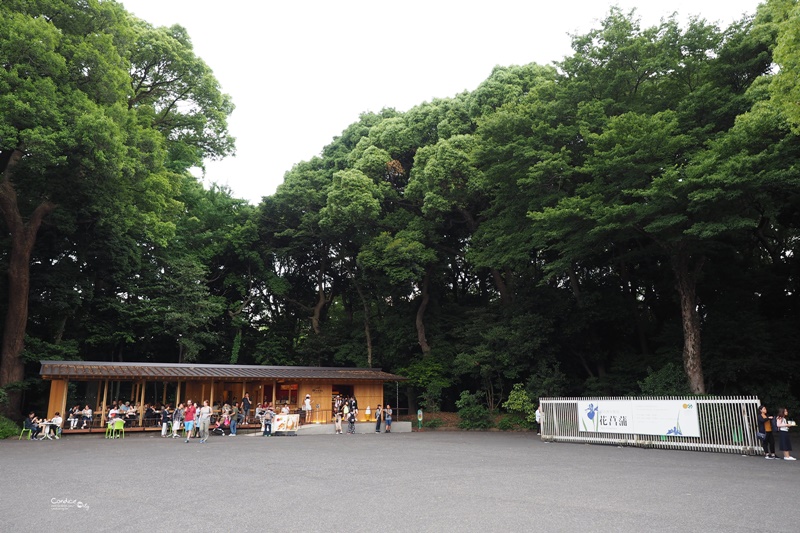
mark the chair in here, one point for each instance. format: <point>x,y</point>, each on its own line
<point>109,430</point>
<point>21,433</point>
<point>119,427</point>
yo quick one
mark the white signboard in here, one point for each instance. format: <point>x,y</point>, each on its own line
<point>643,417</point>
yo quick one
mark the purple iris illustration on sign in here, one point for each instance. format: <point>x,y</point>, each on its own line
<point>677,429</point>
<point>591,414</point>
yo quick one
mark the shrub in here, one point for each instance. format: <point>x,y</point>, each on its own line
<point>519,403</point>
<point>670,380</point>
<point>473,414</point>
<point>8,428</point>
<point>432,423</point>
<point>514,422</point>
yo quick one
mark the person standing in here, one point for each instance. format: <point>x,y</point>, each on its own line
<point>378,415</point>
<point>783,432</point>
<point>269,414</point>
<point>234,418</point>
<point>539,418</point>
<point>337,419</point>
<point>205,420</point>
<point>387,415</point>
<point>188,418</point>
<point>307,408</point>
<point>765,424</point>
<point>165,419</point>
<point>351,423</point>
<point>177,418</point>
<point>246,404</point>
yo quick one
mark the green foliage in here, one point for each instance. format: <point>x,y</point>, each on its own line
<point>8,428</point>
<point>472,412</point>
<point>547,382</point>
<point>429,376</point>
<point>519,403</point>
<point>512,422</point>
<point>534,230</point>
<point>778,394</point>
<point>669,380</point>
<point>432,423</point>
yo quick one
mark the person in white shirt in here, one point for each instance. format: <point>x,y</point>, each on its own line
<point>307,408</point>
<point>56,424</point>
<point>87,416</point>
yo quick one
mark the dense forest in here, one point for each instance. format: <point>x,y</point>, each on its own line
<point>624,221</point>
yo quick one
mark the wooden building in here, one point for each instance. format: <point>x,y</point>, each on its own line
<point>97,384</point>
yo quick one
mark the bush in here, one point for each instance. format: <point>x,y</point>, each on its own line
<point>473,414</point>
<point>512,423</point>
<point>432,423</point>
<point>521,406</point>
<point>8,428</point>
<point>670,380</point>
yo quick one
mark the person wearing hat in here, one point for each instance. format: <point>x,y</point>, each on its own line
<point>307,408</point>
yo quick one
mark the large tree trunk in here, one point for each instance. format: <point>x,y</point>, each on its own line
<point>367,332</point>
<point>321,298</point>
<point>499,282</point>
<point>23,237</point>
<point>420,323</point>
<point>686,285</point>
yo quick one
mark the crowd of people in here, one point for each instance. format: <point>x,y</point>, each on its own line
<point>200,421</point>
<point>346,409</point>
<point>777,423</point>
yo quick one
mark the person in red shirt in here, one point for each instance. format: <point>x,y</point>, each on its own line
<point>188,418</point>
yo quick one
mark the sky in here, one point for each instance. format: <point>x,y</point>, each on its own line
<point>300,72</point>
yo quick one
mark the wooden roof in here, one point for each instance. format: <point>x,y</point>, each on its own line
<point>96,370</point>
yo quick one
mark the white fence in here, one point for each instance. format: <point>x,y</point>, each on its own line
<point>726,424</point>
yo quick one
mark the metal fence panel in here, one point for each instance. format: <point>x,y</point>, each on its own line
<point>728,424</point>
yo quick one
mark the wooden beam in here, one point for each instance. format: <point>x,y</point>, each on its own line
<point>141,406</point>
<point>103,408</point>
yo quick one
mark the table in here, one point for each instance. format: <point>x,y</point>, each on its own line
<point>46,430</point>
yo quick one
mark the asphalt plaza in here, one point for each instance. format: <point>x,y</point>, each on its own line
<point>429,481</point>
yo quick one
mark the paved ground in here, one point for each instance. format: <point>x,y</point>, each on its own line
<point>420,482</point>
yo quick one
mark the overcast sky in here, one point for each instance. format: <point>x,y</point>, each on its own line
<point>300,72</point>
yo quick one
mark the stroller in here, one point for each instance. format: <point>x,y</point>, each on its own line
<point>221,427</point>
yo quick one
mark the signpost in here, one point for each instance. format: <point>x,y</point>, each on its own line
<point>419,419</point>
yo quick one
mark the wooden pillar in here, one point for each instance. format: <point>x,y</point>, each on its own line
<point>178,394</point>
<point>202,394</point>
<point>274,392</point>
<point>103,408</point>
<point>58,398</point>
<point>141,404</point>
<point>211,395</point>
<point>164,393</point>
